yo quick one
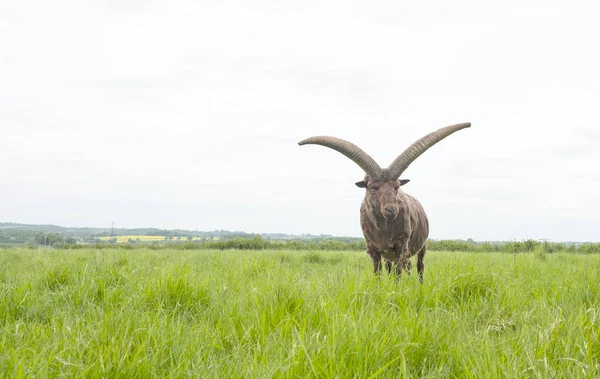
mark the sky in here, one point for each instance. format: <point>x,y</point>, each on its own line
<point>186,114</point>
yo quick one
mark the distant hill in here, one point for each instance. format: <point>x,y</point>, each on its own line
<point>13,229</point>
<point>14,233</point>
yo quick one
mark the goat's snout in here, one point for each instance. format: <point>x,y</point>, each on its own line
<point>390,211</point>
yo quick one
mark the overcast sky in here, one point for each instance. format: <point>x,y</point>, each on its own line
<point>187,114</point>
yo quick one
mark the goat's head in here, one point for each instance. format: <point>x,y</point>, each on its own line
<point>383,195</point>
<point>383,185</point>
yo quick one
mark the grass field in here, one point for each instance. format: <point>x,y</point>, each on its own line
<point>252,314</point>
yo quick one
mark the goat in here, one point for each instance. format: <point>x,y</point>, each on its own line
<point>394,223</point>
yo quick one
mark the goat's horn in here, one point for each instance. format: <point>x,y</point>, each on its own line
<point>350,150</point>
<point>400,164</point>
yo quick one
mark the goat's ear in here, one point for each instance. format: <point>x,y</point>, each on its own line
<point>404,181</point>
<point>361,184</point>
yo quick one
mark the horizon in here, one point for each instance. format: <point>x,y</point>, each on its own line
<point>282,233</point>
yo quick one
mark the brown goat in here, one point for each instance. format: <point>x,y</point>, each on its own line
<point>394,223</point>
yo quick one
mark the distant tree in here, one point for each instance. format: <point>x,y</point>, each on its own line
<point>48,239</point>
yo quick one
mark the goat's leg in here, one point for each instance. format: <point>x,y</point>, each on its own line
<point>376,263</point>
<point>420,264</point>
<point>408,266</point>
<point>399,266</point>
<point>388,266</point>
<point>402,253</point>
<point>376,258</point>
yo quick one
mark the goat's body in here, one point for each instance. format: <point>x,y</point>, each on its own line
<point>394,223</point>
<point>398,240</point>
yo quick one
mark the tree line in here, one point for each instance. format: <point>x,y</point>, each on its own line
<point>259,243</point>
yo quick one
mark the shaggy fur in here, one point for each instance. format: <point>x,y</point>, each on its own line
<point>394,224</point>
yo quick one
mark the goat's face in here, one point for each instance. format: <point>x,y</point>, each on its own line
<point>383,195</point>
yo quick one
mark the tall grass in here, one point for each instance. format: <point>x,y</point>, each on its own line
<point>176,313</point>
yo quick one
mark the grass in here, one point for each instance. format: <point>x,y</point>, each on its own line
<point>167,313</point>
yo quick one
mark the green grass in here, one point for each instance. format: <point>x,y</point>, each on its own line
<point>168,313</point>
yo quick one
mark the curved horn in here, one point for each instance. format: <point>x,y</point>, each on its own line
<point>400,164</point>
<point>350,150</point>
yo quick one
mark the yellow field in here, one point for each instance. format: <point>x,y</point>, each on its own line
<point>141,238</point>
<point>124,239</point>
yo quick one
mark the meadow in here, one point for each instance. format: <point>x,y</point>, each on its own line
<point>295,314</point>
